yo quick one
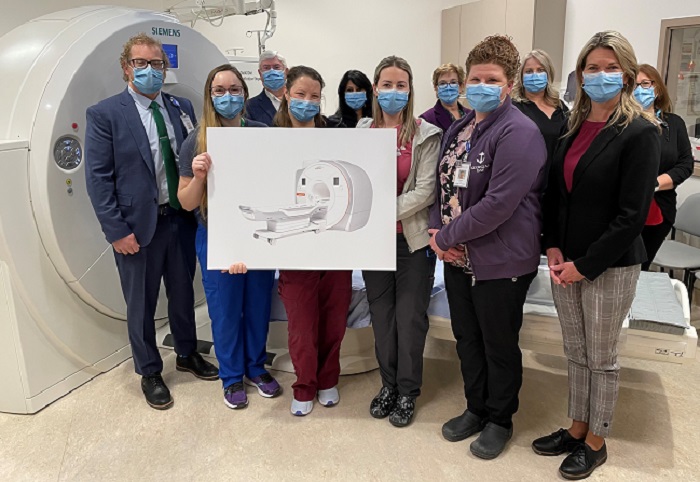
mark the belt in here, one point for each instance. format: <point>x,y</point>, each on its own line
<point>166,210</point>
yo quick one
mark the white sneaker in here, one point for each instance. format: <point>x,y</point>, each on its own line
<point>301,408</point>
<point>329,398</point>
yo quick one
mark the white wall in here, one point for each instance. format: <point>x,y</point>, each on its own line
<point>336,35</point>
<point>639,21</point>
<point>17,12</point>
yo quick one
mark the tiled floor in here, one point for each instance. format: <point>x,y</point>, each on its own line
<point>105,431</point>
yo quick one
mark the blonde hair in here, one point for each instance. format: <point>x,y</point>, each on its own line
<point>140,39</point>
<point>551,94</point>
<point>446,69</point>
<point>408,122</point>
<point>628,109</point>
<point>211,118</point>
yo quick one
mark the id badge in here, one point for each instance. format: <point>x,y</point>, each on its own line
<point>187,122</point>
<point>462,175</point>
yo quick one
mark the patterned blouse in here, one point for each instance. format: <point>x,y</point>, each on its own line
<point>449,201</point>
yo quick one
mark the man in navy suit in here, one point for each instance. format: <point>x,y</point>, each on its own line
<point>273,73</point>
<point>131,146</point>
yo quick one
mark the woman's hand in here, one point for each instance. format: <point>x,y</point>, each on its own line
<point>238,268</point>
<point>554,258</point>
<point>433,245</point>
<point>567,273</point>
<point>201,165</point>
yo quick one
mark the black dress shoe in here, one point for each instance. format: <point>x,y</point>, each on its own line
<point>403,411</point>
<point>556,443</point>
<point>197,366</point>
<point>157,394</point>
<point>491,441</point>
<point>462,427</point>
<point>581,463</point>
<point>383,403</point>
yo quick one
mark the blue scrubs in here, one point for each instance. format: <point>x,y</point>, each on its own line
<point>239,309</point>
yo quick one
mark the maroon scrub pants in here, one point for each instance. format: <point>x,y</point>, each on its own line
<point>317,304</point>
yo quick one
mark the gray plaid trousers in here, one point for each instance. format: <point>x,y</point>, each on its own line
<point>591,314</point>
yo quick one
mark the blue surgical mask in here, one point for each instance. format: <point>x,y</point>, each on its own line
<point>644,96</point>
<point>535,82</point>
<point>356,100</point>
<point>484,97</point>
<point>228,106</point>
<point>149,80</point>
<point>448,93</point>
<point>304,110</point>
<point>273,79</point>
<point>602,86</point>
<point>392,101</point>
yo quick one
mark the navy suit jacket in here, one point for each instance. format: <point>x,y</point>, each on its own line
<point>260,108</point>
<point>119,167</point>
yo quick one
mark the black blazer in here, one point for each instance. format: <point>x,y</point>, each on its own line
<point>598,224</point>
<point>676,161</point>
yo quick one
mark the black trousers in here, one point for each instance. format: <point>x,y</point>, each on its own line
<point>170,256</point>
<point>486,321</point>
<point>398,303</point>
<point>653,237</point>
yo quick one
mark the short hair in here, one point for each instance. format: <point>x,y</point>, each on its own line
<point>496,49</point>
<point>140,39</point>
<point>446,69</point>
<point>271,54</point>
<point>662,101</point>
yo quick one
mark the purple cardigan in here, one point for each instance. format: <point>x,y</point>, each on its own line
<point>501,218</point>
<point>441,117</point>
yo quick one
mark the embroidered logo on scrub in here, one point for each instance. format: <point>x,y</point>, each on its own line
<point>480,166</point>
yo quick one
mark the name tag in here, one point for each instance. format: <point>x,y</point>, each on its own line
<point>461,175</point>
<point>187,122</point>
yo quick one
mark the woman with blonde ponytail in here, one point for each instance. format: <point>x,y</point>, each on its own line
<point>238,301</point>
<point>600,188</point>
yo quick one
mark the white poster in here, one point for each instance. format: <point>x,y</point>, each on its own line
<point>302,198</point>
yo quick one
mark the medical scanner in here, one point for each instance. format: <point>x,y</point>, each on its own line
<point>330,195</point>
<point>62,313</point>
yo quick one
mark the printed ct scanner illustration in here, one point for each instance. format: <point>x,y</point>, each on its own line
<point>333,195</point>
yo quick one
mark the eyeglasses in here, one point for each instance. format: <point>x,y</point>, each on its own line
<point>454,82</point>
<point>219,91</point>
<point>143,63</point>
<point>645,84</point>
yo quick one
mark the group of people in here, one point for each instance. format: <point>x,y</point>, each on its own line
<point>485,189</point>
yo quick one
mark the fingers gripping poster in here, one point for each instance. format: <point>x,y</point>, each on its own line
<point>302,198</point>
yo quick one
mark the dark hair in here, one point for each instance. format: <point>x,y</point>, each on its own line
<point>663,100</point>
<point>282,118</point>
<point>345,112</point>
<point>499,50</point>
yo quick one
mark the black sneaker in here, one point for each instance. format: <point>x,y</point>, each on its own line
<point>462,427</point>
<point>383,403</point>
<point>403,411</point>
<point>197,366</point>
<point>556,443</point>
<point>156,392</point>
<point>581,463</point>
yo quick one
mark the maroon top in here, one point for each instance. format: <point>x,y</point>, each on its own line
<point>578,148</point>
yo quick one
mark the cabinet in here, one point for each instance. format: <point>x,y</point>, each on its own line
<point>533,24</point>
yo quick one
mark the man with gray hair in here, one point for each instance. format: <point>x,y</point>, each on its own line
<point>273,73</point>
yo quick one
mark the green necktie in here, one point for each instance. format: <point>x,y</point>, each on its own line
<point>166,151</point>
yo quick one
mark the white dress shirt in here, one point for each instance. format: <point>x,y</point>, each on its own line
<point>143,106</point>
<point>275,101</point>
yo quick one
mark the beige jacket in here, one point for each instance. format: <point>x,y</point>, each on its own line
<point>419,190</point>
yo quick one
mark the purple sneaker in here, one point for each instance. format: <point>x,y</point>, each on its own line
<point>267,386</point>
<point>235,397</point>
